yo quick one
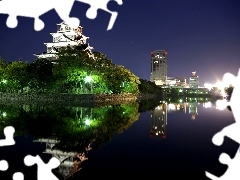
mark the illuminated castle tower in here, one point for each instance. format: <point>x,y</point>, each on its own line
<point>158,122</point>
<point>159,67</point>
<point>65,37</point>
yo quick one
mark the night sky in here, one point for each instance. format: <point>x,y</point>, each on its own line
<point>199,35</point>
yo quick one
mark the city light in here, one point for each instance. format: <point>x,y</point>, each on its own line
<point>207,104</point>
<point>208,86</point>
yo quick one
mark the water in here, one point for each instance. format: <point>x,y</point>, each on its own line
<point>151,138</point>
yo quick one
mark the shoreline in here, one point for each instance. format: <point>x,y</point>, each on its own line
<point>81,99</point>
<point>72,99</point>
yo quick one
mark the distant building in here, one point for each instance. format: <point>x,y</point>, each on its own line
<point>65,37</point>
<point>176,81</point>
<point>194,80</point>
<point>159,67</point>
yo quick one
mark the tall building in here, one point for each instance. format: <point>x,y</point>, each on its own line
<point>66,37</point>
<point>194,81</point>
<point>159,67</point>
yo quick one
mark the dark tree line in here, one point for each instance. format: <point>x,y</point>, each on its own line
<point>146,86</point>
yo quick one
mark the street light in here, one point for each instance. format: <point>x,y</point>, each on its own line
<point>88,79</point>
<point>87,122</point>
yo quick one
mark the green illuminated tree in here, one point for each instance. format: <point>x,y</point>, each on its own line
<point>3,65</point>
<point>68,75</point>
<point>68,124</point>
<point>73,67</point>
<point>16,76</point>
<point>40,75</point>
<point>72,70</point>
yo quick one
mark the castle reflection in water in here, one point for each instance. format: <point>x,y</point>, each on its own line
<point>79,130</point>
<point>158,116</point>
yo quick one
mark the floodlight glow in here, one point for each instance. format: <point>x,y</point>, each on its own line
<point>208,86</point>
<point>87,122</point>
<point>88,79</point>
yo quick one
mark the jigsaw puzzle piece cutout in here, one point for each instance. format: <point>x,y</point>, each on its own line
<point>230,79</point>
<point>25,8</point>
<point>222,104</point>
<point>18,176</point>
<point>3,165</point>
<point>44,171</point>
<point>63,8</point>
<point>114,5</point>
<point>8,132</point>
<point>34,9</point>
<point>232,172</point>
<point>231,131</point>
<point>101,4</point>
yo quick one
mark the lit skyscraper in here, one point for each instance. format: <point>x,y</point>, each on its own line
<point>159,67</point>
<point>194,80</point>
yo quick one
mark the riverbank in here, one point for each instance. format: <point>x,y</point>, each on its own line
<point>92,100</point>
<point>72,99</point>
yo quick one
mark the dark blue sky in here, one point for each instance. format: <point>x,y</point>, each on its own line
<point>199,35</point>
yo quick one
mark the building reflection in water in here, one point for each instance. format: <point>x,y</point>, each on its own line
<point>193,109</point>
<point>70,161</point>
<point>207,104</point>
<point>158,121</point>
<point>158,116</point>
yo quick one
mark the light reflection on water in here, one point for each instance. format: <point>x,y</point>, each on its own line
<point>172,138</point>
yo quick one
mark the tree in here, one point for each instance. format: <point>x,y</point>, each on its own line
<point>73,66</point>
<point>3,65</point>
<point>146,86</point>
<point>16,76</point>
<point>228,90</point>
<point>40,75</point>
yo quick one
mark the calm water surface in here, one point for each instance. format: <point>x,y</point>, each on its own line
<point>157,140</point>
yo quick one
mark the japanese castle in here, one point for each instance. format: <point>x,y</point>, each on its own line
<point>67,166</point>
<point>66,36</point>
